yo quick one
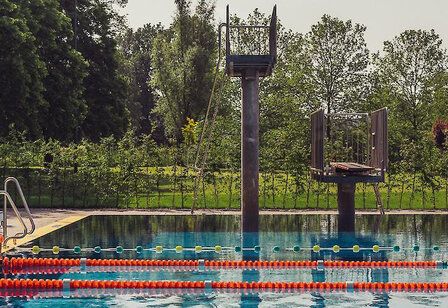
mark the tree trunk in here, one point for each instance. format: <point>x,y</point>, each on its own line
<point>215,191</point>
<point>364,195</point>
<point>433,197</point>
<point>158,189</point>
<point>230,190</point>
<point>411,199</point>
<point>401,193</point>
<point>51,192</point>
<point>63,187</point>
<point>148,184</point>
<point>308,193</point>
<point>195,191</point>
<point>273,189</point>
<point>423,197</point>
<point>389,188</point>
<point>181,183</point>
<point>174,177</point>
<point>446,193</point>
<point>84,196</point>
<point>4,166</point>
<point>264,189</point>
<point>117,198</point>
<point>136,191</point>
<point>286,190</point>
<point>128,196</point>
<point>39,186</point>
<point>203,193</point>
<point>296,190</point>
<point>74,176</point>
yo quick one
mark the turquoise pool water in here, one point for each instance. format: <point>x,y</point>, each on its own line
<point>282,231</point>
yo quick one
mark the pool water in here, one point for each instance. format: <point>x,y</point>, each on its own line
<point>283,231</point>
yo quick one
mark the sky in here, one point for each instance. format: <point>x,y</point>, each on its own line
<point>383,18</point>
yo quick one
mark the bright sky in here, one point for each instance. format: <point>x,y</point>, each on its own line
<point>384,18</point>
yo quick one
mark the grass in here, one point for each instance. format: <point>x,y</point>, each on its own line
<point>364,199</point>
<point>162,189</point>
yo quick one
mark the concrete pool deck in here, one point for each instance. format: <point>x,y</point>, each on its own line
<point>48,220</point>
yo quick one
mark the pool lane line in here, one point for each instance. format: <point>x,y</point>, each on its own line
<point>67,285</point>
<point>44,231</point>
<point>41,264</point>
<point>167,269</point>
<point>89,293</point>
<point>222,249</point>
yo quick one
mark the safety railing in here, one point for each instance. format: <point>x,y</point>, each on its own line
<point>8,200</point>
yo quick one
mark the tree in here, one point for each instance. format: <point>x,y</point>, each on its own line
<point>407,71</point>
<point>95,24</point>
<point>21,72</point>
<point>136,48</point>
<point>339,58</point>
<point>65,106</point>
<point>410,81</point>
<point>183,58</point>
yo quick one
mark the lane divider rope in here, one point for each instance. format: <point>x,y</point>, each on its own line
<point>67,285</point>
<point>16,264</point>
<point>225,249</point>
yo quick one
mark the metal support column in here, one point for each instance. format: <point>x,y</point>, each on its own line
<point>346,207</point>
<point>249,151</point>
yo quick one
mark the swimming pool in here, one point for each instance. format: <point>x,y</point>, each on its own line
<point>418,237</point>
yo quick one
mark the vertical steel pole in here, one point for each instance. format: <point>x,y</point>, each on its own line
<point>249,151</point>
<point>346,207</point>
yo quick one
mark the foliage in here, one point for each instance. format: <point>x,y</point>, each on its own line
<point>21,71</point>
<point>339,57</point>
<point>407,71</point>
<point>136,172</point>
<point>440,132</point>
<point>66,69</point>
<point>183,58</point>
<point>95,23</point>
<point>409,80</point>
<point>114,107</point>
<point>136,65</point>
<point>189,132</point>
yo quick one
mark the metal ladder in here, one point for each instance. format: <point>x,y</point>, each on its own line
<point>4,222</point>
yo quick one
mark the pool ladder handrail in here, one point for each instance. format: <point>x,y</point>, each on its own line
<point>8,199</point>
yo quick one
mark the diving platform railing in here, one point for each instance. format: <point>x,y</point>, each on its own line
<point>251,47</point>
<point>349,147</point>
<point>7,199</point>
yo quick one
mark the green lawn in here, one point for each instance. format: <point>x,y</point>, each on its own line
<point>162,188</point>
<point>319,197</point>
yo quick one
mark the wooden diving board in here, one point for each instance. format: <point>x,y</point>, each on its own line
<point>348,167</point>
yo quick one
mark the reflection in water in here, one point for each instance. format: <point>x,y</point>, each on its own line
<point>250,239</point>
<point>284,231</point>
<point>133,230</point>
<point>250,299</point>
<point>349,239</point>
<point>318,300</point>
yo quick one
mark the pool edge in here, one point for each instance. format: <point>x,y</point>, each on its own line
<point>46,230</point>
